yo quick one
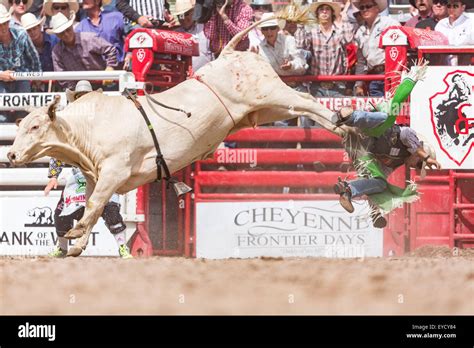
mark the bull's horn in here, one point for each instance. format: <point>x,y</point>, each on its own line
<point>52,108</point>
<point>232,44</point>
<point>291,12</point>
<point>18,121</point>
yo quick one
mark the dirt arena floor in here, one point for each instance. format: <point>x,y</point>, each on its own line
<point>429,281</point>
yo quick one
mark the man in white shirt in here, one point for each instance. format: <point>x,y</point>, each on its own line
<point>281,52</point>
<point>280,49</point>
<point>371,58</point>
<point>458,28</point>
<point>259,7</point>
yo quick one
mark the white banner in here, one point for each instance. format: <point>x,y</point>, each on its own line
<point>367,103</point>
<point>442,109</point>
<point>19,101</point>
<point>27,229</point>
<point>286,228</point>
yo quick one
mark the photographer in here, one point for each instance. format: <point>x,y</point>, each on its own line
<point>229,18</point>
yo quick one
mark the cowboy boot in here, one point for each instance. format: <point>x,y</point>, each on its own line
<point>379,221</point>
<point>377,218</point>
<point>344,115</point>
<point>343,189</point>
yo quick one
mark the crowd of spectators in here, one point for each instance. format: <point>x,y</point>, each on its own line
<point>64,35</point>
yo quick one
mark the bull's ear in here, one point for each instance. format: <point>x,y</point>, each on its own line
<point>52,108</point>
<point>18,120</point>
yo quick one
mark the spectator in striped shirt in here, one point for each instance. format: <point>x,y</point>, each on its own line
<point>70,53</point>
<point>327,41</point>
<point>17,54</point>
<point>229,18</point>
<point>143,13</point>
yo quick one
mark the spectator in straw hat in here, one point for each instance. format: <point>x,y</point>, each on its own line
<point>69,53</point>
<point>259,7</point>
<point>184,10</point>
<point>107,25</point>
<point>43,42</point>
<point>371,57</point>
<point>280,49</point>
<point>52,7</point>
<point>19,9</point>
<point>281,52</point>
<point>17,54</point>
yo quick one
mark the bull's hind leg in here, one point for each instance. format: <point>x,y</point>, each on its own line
<point>110,179</point>
<point>291,104</point>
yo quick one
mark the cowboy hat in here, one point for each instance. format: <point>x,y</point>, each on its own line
<point>5,15</point>
<point>182,6</point>
<point>29,20</point>
<point>82,87</point>
<point>382,4</point>
<point>271,22</point>
<point>48,5</point>
<point>336,6</point>
<point>59,23</point>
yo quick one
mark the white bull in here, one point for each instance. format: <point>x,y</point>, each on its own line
<point>107,137</point>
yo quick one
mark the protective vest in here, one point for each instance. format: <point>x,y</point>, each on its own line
<point>389,149</point>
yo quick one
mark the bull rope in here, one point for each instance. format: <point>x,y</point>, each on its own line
<point>159,160</point>
<point>153,100</point>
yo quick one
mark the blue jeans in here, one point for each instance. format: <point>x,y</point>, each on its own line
<point>366,119</point>
<point>15,87</point>
<point>361,187</point>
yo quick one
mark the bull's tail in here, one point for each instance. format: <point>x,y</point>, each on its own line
<point>291,12</point>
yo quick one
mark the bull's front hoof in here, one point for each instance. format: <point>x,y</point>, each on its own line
<point>74,233</point>
<point>74,251</point>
